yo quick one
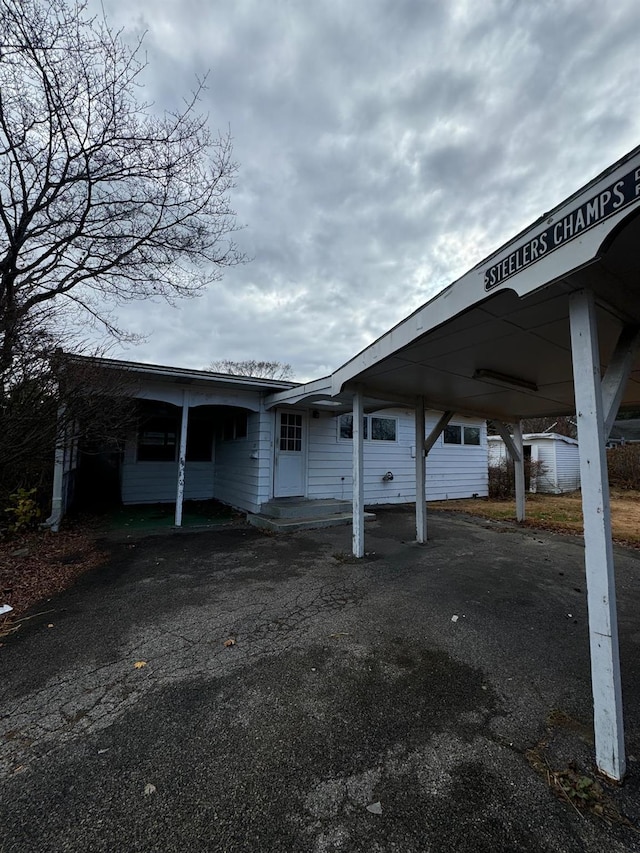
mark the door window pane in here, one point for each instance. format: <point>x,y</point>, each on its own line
<point>290,432</point>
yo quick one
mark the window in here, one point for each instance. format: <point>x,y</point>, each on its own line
<point>454,434</point>
<point>290,432</point>
<point>346,426</point>
<point>200,435</point>
<point>383,429</point>
<point>373,427</point>
<point>472,435</point>
<point>234,426</point>
<point>157,439</point>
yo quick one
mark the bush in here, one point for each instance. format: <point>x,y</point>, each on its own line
<point>502,485</point>
<point>623,463</point>
<point>23,509</point>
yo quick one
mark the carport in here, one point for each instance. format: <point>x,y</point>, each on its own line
<point>547,325</point>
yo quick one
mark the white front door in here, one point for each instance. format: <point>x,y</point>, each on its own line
<point>290,455</point>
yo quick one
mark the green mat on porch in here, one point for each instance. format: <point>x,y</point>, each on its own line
<point>153,516</point>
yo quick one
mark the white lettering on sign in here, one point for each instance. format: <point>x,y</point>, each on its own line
<point>590,213</point>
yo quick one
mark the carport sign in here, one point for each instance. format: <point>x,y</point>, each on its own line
<point>590,213</point>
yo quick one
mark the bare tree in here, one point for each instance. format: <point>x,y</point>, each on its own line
<point>257,369</point>
<point>102,200</point>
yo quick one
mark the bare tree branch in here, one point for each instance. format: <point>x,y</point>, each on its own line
<point>99,196</point>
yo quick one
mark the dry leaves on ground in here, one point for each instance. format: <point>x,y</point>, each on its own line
<point>37,565</point>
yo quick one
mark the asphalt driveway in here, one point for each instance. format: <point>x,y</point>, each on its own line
<point>351,712</point>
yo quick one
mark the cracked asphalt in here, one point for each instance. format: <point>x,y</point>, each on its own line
<point>348,686</point>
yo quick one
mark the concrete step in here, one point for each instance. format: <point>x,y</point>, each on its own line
<point>299,508</point>
<point>287,525</point>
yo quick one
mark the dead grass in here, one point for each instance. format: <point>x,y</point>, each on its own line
<point>579,789</point>
<point>560,513</point>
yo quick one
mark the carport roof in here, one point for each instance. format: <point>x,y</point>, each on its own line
<point>497,341</point>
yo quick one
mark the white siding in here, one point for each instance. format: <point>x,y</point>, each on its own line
<point>557,455</point>
<point>243,466</point>
<point>453,471</point>
<point>156,482</point>
<point>567,466</point>
<point>546,481</point>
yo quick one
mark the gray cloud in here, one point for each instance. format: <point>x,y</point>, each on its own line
<point>384,148</point>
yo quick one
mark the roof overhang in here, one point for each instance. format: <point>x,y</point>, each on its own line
<point>496,342</point>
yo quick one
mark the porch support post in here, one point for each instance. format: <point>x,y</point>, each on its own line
<point>421,488</point>
<point>182,457</point>
<point>518,466</point>
<point>57,508</point>
<point>515,450</point>
<point>434,435</point>
<point>358,475</point>
<point>601,594</point>
<point>615,379</point>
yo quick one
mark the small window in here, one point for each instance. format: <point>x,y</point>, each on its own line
<point>472,435</point>
<point>157,440</point>
<point>452,434</point>
<point>346,426</point>
<point>373,427</point>
<point>383,429</point>
<point>234,425</point>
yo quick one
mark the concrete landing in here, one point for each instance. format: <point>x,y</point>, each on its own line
<point>289,514</point>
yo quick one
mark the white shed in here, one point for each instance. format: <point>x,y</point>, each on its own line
<point>558,468</point>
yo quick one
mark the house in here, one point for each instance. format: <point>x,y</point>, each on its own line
<point>248,441</point>
<point>555,459</point>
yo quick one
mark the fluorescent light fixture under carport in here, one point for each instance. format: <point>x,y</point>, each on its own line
<point>513,382</point>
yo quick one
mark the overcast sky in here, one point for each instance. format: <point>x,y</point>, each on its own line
<point>385,147</point>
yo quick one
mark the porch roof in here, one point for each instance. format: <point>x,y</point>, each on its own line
<point>496,342</point>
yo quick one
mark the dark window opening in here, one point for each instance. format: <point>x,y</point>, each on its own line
<point>452,434</point>
<point>157,439</point>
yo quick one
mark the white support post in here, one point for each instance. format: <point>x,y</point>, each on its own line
<point>518,467</point>
<point>421,487</point>
<point>515,450</point>
<point>601,594</point>
<point>57,509</point>
<point>358,475</point>
<point>182,457</point>
<point>615,379</point>
<point>434,435</point>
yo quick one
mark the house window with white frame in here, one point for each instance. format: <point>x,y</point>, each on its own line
<point>457,434</point>
<point>374,428</point>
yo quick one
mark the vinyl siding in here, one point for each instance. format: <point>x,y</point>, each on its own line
<point>453,471</point>
<point>546,481</point>
<point>243,467</point>
<point>567,466</point>
<point>156,482</point>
